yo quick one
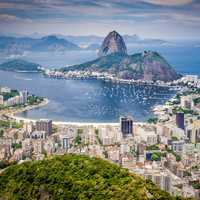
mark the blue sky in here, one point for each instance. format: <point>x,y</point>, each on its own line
<point>147,18</point>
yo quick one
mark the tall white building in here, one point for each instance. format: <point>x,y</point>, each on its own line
<point>1,100</point>
<point>24,96</point>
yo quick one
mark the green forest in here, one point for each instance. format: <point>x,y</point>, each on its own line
<point>75,177</point>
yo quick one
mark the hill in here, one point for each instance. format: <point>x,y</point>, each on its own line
<point>17,45</point>
<point>75,177</point>
<point>20,65</point>
<point>53,43</point>
<point>148,66</point>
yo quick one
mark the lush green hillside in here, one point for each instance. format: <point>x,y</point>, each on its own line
<point>145,66</point>
<point>20,65</point>
<point>75,177</point>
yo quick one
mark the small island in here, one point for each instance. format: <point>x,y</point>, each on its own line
<point>19,65</point>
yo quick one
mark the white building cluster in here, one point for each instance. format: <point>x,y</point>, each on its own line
<point>12,101</point>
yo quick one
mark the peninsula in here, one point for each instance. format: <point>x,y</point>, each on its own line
<point>115,63</point>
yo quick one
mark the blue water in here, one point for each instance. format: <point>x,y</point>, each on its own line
<point>87,100</point>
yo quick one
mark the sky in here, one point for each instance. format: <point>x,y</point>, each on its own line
<point>148,18</point>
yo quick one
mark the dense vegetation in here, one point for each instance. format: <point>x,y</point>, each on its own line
<point>152,120</point>
<point>75,177</point>
<point>8,95</point>
<point>5,163</point>
<point>34,100</point>
<point>197,101</point>
<point>19,65</point>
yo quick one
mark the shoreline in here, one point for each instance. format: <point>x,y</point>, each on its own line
<point>44,103</point>
<point>11,113</point>
<point>78,75</point>
<point>13,116</point>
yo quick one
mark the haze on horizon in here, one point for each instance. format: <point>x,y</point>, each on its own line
<point>166,19</point>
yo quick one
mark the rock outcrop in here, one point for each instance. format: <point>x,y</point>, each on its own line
<point>113,43</point>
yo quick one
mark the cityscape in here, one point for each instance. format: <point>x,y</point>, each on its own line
<point>111,153</point>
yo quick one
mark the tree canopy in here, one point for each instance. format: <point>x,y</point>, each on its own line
<point>75,177</point>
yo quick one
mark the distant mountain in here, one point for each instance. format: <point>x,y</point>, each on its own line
<point>18,45</point>
<point>90,39</point>
<point>113,43</point>
<point>93,46</point>
<point>148,66</point>
<point>128,39</point>
<point>12,45</point>
<point>20,65</point>
<point>76,177</point>
<point>53,43</point>
<point>131,38</point>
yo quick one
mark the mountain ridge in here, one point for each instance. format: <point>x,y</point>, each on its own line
<point>49,43</point>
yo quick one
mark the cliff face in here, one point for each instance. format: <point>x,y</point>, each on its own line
<point>113,43</point>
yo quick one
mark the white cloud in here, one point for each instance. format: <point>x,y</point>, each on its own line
<point>169,2</point>
<point>12,18</point>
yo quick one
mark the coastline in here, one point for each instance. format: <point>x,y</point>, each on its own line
<point>11,113</point>
<point>64,123</point>
<point>13,116</point>
<point>79,75</point>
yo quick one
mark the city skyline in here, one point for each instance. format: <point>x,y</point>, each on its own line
<point>146,18</point>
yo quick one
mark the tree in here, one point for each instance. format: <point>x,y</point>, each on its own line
<point>80,131</point>
<point>97,131</point>
<point>155,157</point>
<point>16,146</point>
<point>77,140</point>
<point>1,133</point>
<point>152,120</point>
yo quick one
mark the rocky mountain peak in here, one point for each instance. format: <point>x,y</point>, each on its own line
<point>113,43</point>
